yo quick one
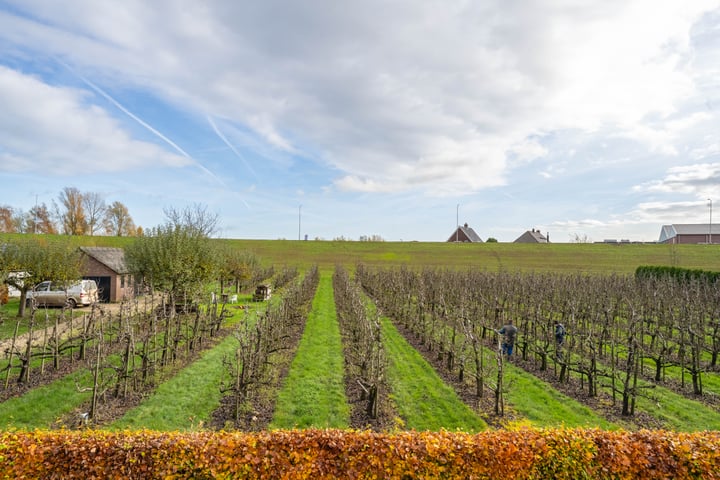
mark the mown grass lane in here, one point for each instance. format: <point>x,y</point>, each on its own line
<point>422,399</point>
<point>314,390</point>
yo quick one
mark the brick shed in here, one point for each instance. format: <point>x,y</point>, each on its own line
<point>106,265</point>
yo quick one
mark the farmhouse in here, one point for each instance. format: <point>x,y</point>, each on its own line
<point>532,236</point>
<point>688,233</point>
<point>465,234</point>
<point>106,265</point>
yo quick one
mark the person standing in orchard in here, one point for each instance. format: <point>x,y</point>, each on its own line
<point>509,333</point>
<point>559,334</point>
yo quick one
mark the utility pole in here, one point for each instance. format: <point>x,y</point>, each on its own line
<point>457,222</point>
<point>299,220</point>
<point>710,226</point>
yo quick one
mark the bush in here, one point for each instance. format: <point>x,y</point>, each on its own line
<point>525,453</point>
<point>677,273</point>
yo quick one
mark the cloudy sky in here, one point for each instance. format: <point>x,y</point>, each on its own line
<point>594,119</point>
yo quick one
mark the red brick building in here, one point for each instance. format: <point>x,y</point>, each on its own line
<point>465,234</point>
<point>106,265</point>
<point>689,233</point>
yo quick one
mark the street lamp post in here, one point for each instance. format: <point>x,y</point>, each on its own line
<point>35,215</point>
<point>457,222</point>
<point>710,226</point>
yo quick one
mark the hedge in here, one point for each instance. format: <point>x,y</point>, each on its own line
<point>677,273</point>
<point>325,454</point>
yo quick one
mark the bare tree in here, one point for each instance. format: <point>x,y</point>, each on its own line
<point>118,221</point>
<point>577,238</point>
<point>40,219</point>
<point>365,359</point>
<point>95,208</point>
<point>196,217</point>
<point>71,212</point>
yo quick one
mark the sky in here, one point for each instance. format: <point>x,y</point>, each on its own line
<point>400,119</point>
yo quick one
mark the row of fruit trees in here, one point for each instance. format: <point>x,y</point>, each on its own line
<point>621,329</point>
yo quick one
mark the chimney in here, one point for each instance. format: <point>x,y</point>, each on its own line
<point>466,225</point>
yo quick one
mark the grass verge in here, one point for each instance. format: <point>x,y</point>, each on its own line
<point>186,401</point>
<point>672,410</point>
<point>43,406</point>
<point>675,411</point>
<point>314,390</point>
<point>543,406</point>
<point>422,399</point>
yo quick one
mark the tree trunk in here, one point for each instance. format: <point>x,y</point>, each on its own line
<point>499,400</point>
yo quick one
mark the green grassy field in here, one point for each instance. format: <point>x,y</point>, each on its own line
<point>565,257</point>
<point>560,257</point>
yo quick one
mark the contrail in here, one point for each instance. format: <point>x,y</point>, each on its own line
<point>235,151</point>
<point>141,122</point>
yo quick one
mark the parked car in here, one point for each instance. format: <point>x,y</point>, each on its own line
<point>52,294</point>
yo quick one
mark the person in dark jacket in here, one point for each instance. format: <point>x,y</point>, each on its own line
<point>559,334</point>
<point>509,332</point>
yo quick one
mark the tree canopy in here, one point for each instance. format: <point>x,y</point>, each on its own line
<point>38,259</point>
<point>176,259</point>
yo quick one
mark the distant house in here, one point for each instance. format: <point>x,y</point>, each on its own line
<point>689,233</point>
<point>465,234</point>
<point>532,236</point>
<point>106,265</point>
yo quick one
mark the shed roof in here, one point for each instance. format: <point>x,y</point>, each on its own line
<point>532,236</point>
<point>468,232</point>
<point>669,231</point>
<point>111,257</point>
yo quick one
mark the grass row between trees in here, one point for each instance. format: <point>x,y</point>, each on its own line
<point>314,391</point>
<point>186,401</point>
<point>422,399</point>
<point>180,403</point>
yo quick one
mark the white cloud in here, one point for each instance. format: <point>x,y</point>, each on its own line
<point>353,183</point>
<point>702,180</point>
<point>396,99</point>
<point>544,102</point>
<point>672,212</point>
<point>710,149</point>
<point>54,130</point>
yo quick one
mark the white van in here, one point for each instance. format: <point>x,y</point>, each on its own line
<point>79,293</point>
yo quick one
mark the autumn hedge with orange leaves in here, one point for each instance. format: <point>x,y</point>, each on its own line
<point>320,454</point>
